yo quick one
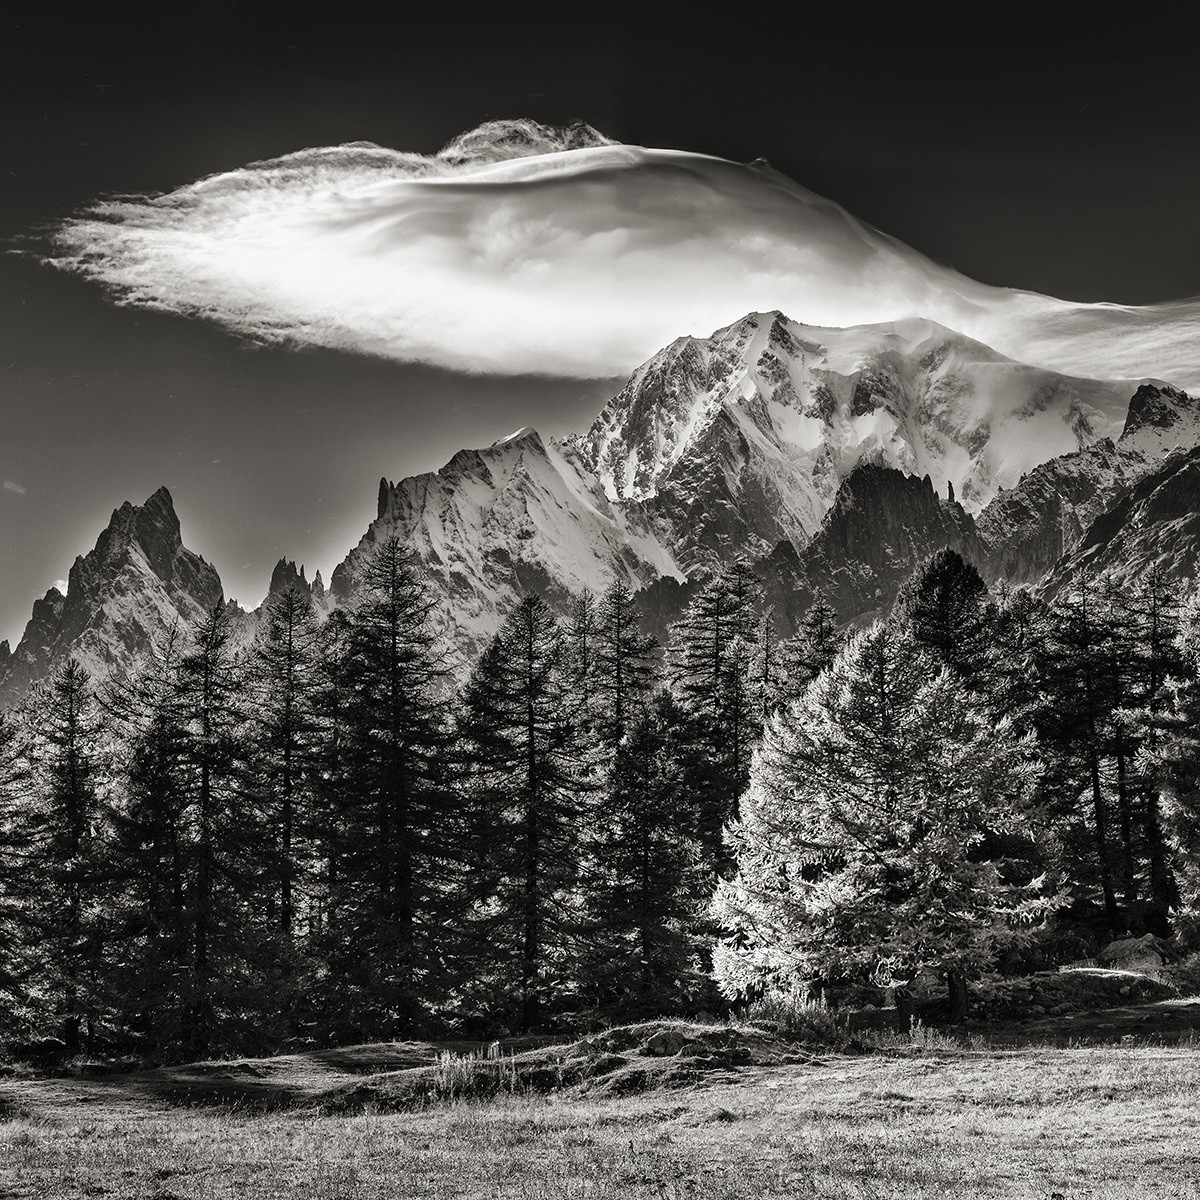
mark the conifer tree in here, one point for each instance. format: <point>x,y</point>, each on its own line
<point>229,936</point>
<point>768,680</point>
<point>646,885</point>
<point>528,780</point>
<point>330,778</point>
<point>624,662</point>
<point>579,657</point>
<point>1073,724</point>
<point>150,852</point>
<point>192,846</point>
<point>1018,630</point>
<point>1148,617</point>
<point>284,687</point>
<point>809,650</point>
<point>66,854</point>
<point>944,604</point>
<point>1172,760</point>
<point>394,846</point>
<point>709,658</point>
<point>862,849</point>
<point>15,876</point>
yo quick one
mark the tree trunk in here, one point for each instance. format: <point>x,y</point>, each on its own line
<point>960,999</point>
<point>1116,923</point>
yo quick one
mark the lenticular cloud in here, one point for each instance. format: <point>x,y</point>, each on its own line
<point>520,249</point>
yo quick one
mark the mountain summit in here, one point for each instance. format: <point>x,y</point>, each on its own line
<point>833,459</point>
<point>129,592</point>
<point>742,439</point>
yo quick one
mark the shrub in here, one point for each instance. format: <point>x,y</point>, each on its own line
<point>800,1018</point>
<point>474,1076</point>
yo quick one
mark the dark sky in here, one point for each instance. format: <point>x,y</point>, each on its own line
<point>1057,155</point>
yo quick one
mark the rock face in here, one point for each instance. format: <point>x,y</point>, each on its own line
<point>1027,529</point>
<point>740,441</point>
<point>519,515</point>
<point>755,442</point>
<point>138,583</point>
<point>883,523</point>
<point>1154,526</point>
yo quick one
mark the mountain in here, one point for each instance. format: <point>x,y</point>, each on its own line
<point>131,590</point>
<point>882,524</point>
<point>740,441</point>
<point>521,514</point>
<point>742,444</point>
<point>834,460</point>
<point>1028,528</point>
<point>1153,527</point>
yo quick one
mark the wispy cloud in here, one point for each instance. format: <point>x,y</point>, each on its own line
<point>18,488</point>
<point>520,249</point>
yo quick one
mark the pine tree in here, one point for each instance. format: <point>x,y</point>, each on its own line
<point>624,662</point>
<point>862,850</point>
<point>67,852</point>
<point>527,785</point>
<point>944,604</point>
<point>646,885</point>
<point>393,888</point>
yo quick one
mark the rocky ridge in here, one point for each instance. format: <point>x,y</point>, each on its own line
<point>834,460</point>
<point>137,584</point>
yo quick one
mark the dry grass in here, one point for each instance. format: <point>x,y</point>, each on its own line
<point>1095,1122</point>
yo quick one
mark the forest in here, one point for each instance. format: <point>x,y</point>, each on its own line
<point>327,837</point>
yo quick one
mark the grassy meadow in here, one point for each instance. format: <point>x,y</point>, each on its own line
<point>930,1118</point>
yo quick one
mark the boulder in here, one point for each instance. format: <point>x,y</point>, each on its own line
<point>1133,954</point>
<point>666,1043</point>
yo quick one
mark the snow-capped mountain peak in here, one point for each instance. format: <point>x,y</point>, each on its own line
<point>773,414</point>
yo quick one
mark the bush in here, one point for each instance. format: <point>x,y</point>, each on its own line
<point>799,1018</point>
<point>474,1076</point>
<point>918,1037</point>
<point>1184,976</point>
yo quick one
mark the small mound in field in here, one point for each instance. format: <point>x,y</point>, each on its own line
<point>617,1062</point>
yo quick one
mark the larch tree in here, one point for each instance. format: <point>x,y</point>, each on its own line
<point>150,854</point>
<point>393,885</point>
<point>1172,759</point>
<point>1075,666</point>
<point>709,657</point>
<point>647,884</point>
<point>527,784</point>
<point>623,662</point>
<point>862,848</point>
<point>944,605</point>
<point>284,684</point>
<point>809,650</point>
<point>16,876</point>
<point>67,853</point>
<point>231,939</point>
